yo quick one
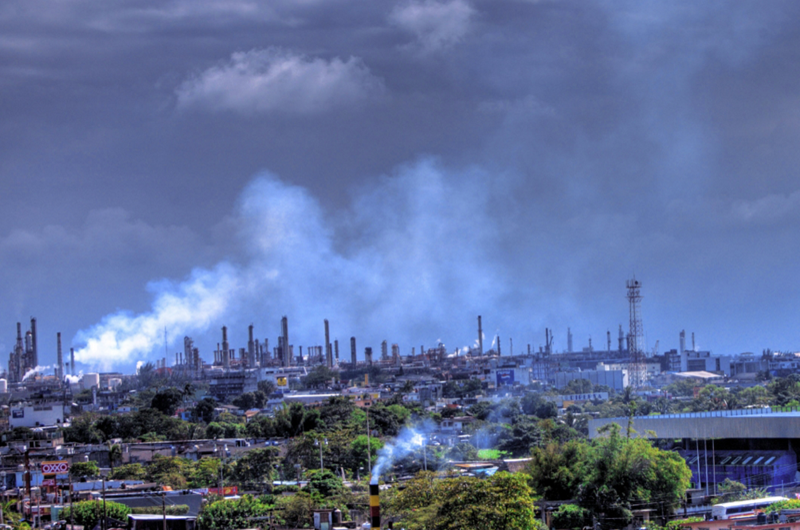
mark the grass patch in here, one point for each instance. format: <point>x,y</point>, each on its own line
<point>491,454</point>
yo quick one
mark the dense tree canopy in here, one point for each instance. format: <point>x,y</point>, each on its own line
<point>499,502</point>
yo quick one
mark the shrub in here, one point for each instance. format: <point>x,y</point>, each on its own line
<point>570,516</point>
<point>89,513</point>
<point>172,509</point>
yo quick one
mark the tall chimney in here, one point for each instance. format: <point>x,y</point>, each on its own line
<point>694,348</point>
<point>328,352</point>
<point>287,355</point>
<point>569,339</point>
<point>251,348</point>
<point>353,351</point>
<point>368,355</point>
<point>621,338</point>
<point>498,346</point>
<point>374,504</point>
<point>225,347</point>
<point>72,361</point>
<point>480,338</point>
<point>682,342</point>
<point>59,359</point>
<point>608,339</point>
<point>34,345</point>
<point>336,350</point>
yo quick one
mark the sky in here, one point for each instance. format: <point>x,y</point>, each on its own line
<point>397,167</point>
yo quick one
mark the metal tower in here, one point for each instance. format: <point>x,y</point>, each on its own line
<point>636,369</point>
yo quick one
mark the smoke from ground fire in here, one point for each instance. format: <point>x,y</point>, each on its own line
<point>412,253</point>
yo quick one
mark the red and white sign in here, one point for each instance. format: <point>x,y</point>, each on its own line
<point>55,468</point>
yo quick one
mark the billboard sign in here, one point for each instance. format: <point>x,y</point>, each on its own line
<point>17,413</point>
<point>505,377</point>
<point>56,467</point>
<point>226,491</point>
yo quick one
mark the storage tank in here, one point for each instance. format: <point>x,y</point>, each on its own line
<point>3,386</point>
<point>90,380</point>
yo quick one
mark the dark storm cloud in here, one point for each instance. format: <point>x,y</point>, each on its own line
<point>609,138</point>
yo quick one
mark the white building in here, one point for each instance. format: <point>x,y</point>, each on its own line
<point>36,416</point>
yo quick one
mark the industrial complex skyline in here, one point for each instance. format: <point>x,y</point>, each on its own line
<point>397,168</point>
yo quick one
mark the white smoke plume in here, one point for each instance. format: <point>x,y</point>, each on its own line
<point>409,440</point>
<point>380,268</point>
<point>73,379</point>
<point>35,370</point>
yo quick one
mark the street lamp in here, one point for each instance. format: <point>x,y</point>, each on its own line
<point>317,444</point>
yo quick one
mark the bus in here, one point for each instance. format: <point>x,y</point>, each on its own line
<point>738,509</point>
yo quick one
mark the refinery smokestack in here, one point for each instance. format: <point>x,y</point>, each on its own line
<point>34,345</point>
<point>72,361</point>
<point>286,351</point>
<point>569,340</point>
<point>353,351</point>
<point>251,348</point>
<point>225,359</point>
<point>374,504</point>
<point>328,352</point>
<point>480,338</point>
<point>59,359</point>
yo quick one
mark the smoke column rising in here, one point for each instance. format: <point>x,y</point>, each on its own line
<point>413,252</point>
<point>409,440</point>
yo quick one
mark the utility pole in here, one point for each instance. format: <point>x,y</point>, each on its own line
<point>71,510</point>
<point>103,526</point>
<point>369,448</point>
<point>164,507</point>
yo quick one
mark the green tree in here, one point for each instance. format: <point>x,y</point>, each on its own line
<point>83,430</point>
<point>791,504</point>
<point>324,482</point>
<point>255,467</point>
<point>205,473</point>
<point>114,455</point>
<point>83,470</point>
<point>521,437</point>
<point>626,472</point>
<point>296,510</point>
<point>204,410</point>
<point>129,472</point>
<point>225,514</point>
<point>320,375</point>
<point>167,401</point>
<point>572,517</point>
<point>499,502</point>
<point>557,470</point>
<point>89,513</point>
<point>169,470</point>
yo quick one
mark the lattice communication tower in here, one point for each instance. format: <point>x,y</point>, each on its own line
<point>636,370</point>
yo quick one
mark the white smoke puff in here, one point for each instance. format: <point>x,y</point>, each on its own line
<point>409,440</point>
<point>35,370</point>
<point>73,379</point>
<point>183,308</point>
